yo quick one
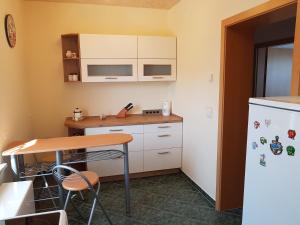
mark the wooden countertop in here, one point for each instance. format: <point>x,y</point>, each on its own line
<point>68,143</point>
<point>110,121</point>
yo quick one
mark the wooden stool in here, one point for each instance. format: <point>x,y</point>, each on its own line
<point>77,182</point>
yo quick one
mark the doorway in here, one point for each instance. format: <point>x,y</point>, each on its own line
<point>237,85</point>
<point>273,69</point>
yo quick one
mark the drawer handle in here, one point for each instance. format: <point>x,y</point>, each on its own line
<point>164,135</point>
<point>116,130</point>
<point>163,153</point>
<point>158,77</point>
<point>111,78</point>
<point>163,127</point>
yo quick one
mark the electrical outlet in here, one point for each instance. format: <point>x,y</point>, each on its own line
<point>150,112</point>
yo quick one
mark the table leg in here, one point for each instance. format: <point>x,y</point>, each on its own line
<point>15,166</point>
<point>59,161</point>
<point>126,174</point>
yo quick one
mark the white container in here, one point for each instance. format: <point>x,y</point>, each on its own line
<point>166,108</point>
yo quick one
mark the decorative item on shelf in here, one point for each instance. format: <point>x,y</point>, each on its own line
<point>74,55</point>
<point>10,30</point>
<point>268,122</point>
<point>102,116</point>
<point>166,108</point>
<point>75,77</point>
<point>254,145</point>
<point>69,54</point>
<point>77,114</point>
<point>124,111</point>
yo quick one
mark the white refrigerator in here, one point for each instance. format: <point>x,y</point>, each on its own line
<point>272,177</point>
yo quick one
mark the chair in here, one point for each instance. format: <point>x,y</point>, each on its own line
<point>77,182</point>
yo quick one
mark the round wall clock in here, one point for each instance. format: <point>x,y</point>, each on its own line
<point>10,30</point>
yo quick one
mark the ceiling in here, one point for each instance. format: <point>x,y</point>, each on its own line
<point>157,4</point>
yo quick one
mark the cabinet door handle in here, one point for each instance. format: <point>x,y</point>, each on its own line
<point>163,153</point>
<point>164,135</point>
<point>115,130</point>
<point>111,78</point>
<point>158,77</point>
<point>162,127</point>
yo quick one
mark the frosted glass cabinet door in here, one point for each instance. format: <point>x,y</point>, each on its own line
<point>157,69</point>
<point>109,70</point>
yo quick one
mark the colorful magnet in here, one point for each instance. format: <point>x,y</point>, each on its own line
<point>262,160</point>
<point>292,134</point>
<point>254,145</point>
<point>256,124</point>
<point>268,123</point>
<point>276,146</point>
<point>290,150</point>
<point>263,140</point>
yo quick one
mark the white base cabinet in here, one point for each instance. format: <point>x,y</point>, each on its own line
<point>154,147</point>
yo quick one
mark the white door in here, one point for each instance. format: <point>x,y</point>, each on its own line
<point>156,47</point>
<point>95,46</point>
<point>272,184</point>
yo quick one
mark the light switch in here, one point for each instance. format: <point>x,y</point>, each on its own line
<point>209,112</point>
<point>211,77</point>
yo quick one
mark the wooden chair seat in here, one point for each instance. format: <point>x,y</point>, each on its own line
<point>74,182</point>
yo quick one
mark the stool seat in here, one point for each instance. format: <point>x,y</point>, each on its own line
<point>74,182</point>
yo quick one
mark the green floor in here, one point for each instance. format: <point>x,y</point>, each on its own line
<point>163,200</point>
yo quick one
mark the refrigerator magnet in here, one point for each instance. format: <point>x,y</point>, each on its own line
<point>268,123</point>
<point>276,146</point>
<point>254,145</point>
<point>292,134</point>
<point>263,140</point>
<point>256,124</point>
<point>290,150</point>
<point>262,160</point>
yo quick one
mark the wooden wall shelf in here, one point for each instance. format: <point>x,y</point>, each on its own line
<point>70,42</point>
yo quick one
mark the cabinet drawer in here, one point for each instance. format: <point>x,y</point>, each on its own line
<point>116,166</point>
<point>134,146</point>
<point>117,129</point>
<point>163,127</point>
<point>162,140</point>
<point>162,159</point>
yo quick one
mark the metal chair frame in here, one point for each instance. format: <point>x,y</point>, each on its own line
<point>57,173</point>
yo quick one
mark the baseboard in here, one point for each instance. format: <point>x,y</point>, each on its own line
<point>140,175</point>
<point>205,195</point>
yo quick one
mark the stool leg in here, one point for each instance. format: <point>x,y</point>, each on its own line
<point>92,211</point>
<point>99,203</point>
<point>81,195</point>
<point>67,200</point>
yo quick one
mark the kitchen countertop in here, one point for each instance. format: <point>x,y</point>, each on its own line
<point>110,121</point>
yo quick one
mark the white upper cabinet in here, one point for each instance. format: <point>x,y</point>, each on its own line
<point>156,47</point>
<point>94,46</point>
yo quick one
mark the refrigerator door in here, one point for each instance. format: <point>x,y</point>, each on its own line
<point>272,179</point>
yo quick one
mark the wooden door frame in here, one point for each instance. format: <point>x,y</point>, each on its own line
<point>227,24</point>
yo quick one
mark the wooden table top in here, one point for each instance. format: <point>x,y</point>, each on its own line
<point>68,143</point>
<point>110,121</point>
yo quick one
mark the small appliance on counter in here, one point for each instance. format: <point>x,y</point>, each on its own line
<point>166,108</point>
<point>124,111</point>
<point>77,114</point>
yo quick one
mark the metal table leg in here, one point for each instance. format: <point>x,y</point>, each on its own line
<point>126,174</point>
<point>15,166</point>
<point>59,161</point>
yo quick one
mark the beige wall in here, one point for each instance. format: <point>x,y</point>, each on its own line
<point>14,112</point>
<point>197,25</point>
<point>52,99</point>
